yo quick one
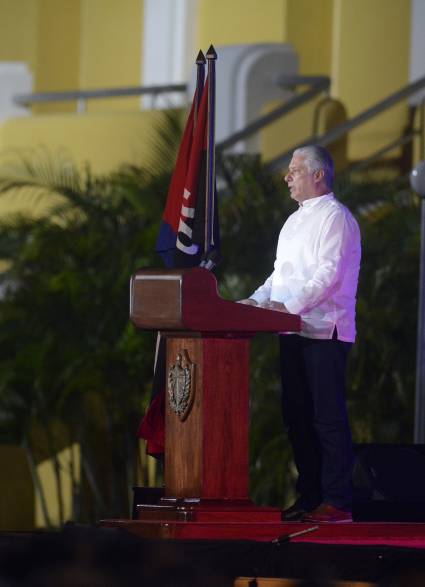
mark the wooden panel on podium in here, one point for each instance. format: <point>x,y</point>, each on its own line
<point>206,455</point>
<point>183,440</point>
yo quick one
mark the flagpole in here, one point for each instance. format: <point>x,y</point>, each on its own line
<point>200,80</point>
<point>210,178</point>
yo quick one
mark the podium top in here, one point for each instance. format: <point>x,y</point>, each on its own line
<point>187,299</point>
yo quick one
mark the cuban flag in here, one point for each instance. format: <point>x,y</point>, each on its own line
<point>181,242</point>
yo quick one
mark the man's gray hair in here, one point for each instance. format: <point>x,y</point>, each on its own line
<point>316,158</point>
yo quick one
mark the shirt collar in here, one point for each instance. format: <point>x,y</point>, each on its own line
<point>309,204</point>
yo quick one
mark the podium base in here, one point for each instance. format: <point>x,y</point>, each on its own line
<point>199,510</point>
<point>212,530</point>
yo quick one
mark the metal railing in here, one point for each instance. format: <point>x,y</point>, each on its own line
<point>341,130</point>
<point>81,96</point>
<point>317,85</point>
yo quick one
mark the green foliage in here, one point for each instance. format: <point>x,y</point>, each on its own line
<point>72,369</point>
<point>383,362</point>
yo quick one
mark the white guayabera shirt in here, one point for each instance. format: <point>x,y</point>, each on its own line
<point>317,267</point>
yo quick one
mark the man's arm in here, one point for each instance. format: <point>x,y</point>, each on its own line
<point>261,297</point>
<point>276,306</point>
<point>262,294</point>
<point>248,302</point>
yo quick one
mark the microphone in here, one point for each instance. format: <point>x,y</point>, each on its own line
<point>288,537</point>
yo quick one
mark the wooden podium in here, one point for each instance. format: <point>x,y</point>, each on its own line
<point>207,401</point>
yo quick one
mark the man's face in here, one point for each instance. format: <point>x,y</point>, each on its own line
<point>301,182</point>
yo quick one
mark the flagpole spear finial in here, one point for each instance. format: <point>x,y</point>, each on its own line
<point>200,60</point>
<point>200,79</point>
<point>211,54</point>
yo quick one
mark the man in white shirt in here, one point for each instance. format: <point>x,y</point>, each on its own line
<point>315,275</point>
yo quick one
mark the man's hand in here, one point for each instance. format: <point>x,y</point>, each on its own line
<point>276,306</point>
<point>248,302</point>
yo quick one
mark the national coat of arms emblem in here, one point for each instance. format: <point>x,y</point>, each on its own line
<point>181,385</point>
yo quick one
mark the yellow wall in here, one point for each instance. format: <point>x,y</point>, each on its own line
<point>287,132</point>
<point>310,32</point>
<point>20,504</point>
<point>45,35</point>
<point>371,60</point>
<point>18,31</point>
<point>304,23</point>
<point>58,57</point>
<point>69,459</point>
<point>16,490</point>
<point>224,22</point>
<point>111,49</point>
<point>103,140</point>
<point>75,44</point>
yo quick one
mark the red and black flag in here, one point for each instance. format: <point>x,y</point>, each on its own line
<point>181,240</point>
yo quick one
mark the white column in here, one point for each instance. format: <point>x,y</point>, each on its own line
<point>169,53</point>
<point>15,78</point>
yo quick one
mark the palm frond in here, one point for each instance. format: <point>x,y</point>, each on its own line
<point>165,141</point>
<point>37,174</point>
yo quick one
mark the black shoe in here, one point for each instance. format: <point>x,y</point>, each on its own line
<point>295,513</point>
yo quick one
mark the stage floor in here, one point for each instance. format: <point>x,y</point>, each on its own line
<point>409,535</point>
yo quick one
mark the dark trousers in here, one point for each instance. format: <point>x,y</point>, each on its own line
<point>315,416</point>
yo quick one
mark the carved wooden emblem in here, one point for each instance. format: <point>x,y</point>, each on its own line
<point>181,385</point>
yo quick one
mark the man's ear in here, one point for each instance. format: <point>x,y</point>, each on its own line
<point>319,175</point>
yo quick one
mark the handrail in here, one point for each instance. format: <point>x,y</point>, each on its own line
<point>285,80</point>
<point>82,95</point>
<point>401,141</point>
<point>282,160</point>
<point>318,85</point>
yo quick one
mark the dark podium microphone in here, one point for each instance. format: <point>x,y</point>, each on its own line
<point>288,537</point>
<point>211,260</point>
